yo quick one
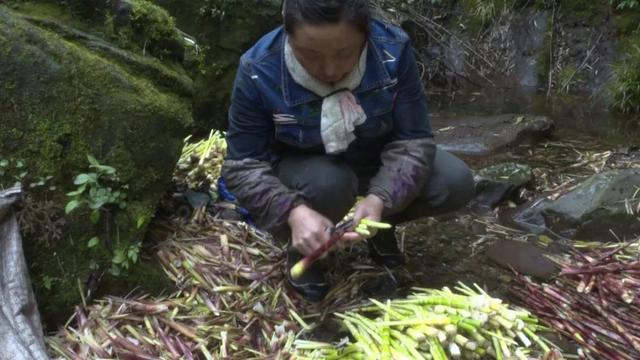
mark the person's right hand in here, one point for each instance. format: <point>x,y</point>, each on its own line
<point>309,229</point>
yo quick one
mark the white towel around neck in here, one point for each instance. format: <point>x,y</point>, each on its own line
<point>341,112</point>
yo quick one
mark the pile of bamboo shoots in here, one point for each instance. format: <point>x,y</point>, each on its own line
<point>436,324</point>
<point>594,300</point>
<point>232,302</point>
<point>201,162</point>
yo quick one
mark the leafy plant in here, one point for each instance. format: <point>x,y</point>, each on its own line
<point>97,190</point>
<point>48,281</point>
<point>101,191</point>
<point>124,257</point>
<point>625,4</point>
<point>626,87</point>
<point>567,77</point>
<point>12,171</point>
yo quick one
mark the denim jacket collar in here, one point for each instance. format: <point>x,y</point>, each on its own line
<point>375,76</point>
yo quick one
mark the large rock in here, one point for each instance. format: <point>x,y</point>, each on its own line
<point>145,26</point>
<point>224,30</point>
<point>486,135</point>
<point>499,182</point>
<point>626,157</point>
<point>601,206</point>
<point>65,94</point>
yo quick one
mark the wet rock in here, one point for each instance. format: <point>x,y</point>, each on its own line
<point>486,135</point>
<point>170,77</point>
<point>525,258</point>
<point>602,205</point>
<point>625,158</point>
<point>499,182</point>
<point>65,94</point>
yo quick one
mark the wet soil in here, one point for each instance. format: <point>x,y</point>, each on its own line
<point>458,247</point>
<point>454,248</point>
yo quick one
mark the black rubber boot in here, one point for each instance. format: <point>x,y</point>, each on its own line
<point>384,251</point>
<point>311,285</point>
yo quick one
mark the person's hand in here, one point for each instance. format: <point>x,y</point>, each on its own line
<point>309,229</point>
<point>370,208</point>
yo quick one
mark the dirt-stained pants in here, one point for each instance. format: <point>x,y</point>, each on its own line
<point>331,186</point>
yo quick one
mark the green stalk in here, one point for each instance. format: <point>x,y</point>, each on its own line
<point>409,344</point>
<point>416,334</point>
<point>497,348</point>
<point>369,326</point>
<point>386,334</point>
<point>537,340</point>
<point>368,347</point>
<point>435,320</point>
<point>388,309</point>
<point>436,350</point>
<point>465,343</point>
<point>524,339</point>
<point>398,352</point>
<point>503,345</point>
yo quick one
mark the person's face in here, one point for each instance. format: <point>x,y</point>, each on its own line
<point>328,52</point>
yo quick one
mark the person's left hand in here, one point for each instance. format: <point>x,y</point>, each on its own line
<point>370,208</point>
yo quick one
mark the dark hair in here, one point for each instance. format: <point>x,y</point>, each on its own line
<point>319,12</point>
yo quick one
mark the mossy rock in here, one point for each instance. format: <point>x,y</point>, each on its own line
<point>143,25</point>
<point>224,29</point>
<point>65,94</point>
<point>137,25</point>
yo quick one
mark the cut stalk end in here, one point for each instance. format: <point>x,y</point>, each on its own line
<point>298,269</point>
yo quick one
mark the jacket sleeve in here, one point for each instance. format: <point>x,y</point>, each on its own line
<point>407,160</point>
<point>247,170</point>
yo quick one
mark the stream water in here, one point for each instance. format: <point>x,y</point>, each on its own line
<point>573,114</point>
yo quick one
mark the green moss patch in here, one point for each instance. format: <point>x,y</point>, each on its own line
<point>62,100</point>
<point>626,83</point>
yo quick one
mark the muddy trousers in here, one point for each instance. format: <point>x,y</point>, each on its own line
<point>331,186</point>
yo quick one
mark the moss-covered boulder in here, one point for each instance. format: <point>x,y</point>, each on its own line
<point>64,95</point>
<point>145,26</point>
<point>224,30</point>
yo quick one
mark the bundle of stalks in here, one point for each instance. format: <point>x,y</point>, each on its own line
<point>201,162</point>
<point>435,324</point>
<point>594,300</point>
<point>232,303</point>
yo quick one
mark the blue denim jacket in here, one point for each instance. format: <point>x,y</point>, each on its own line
<point>270,113</point>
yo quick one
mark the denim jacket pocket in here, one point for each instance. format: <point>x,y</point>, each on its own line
<point>296,132</point>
